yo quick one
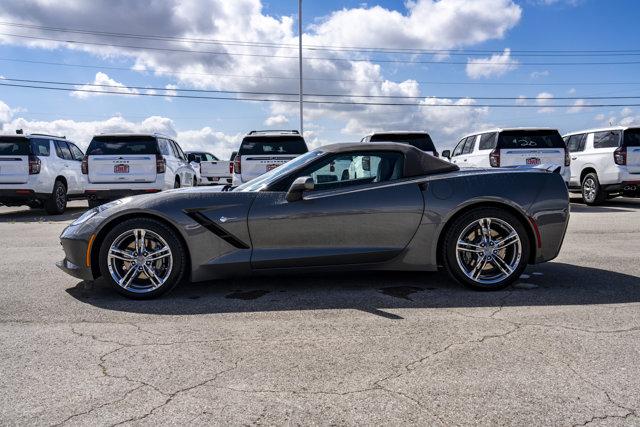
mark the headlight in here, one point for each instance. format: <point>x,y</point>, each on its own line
<point>95,211</point>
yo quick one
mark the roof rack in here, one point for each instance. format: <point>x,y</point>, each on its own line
<point>47,134</point>
<point>267,131</point>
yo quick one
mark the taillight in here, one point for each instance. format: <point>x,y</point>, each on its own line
<point>620,156</point>
<point>161,164</point>
<point>494,158</point>
<point>231,167</point>
<point>567,157</point>
<point>237,165</point>
<point>34,165</point>
<point>84,166</point>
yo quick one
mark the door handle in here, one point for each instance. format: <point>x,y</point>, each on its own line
<point>574,158</point>
<point>464,160</point>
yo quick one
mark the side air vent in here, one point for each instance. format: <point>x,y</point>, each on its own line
<point>202,219</point>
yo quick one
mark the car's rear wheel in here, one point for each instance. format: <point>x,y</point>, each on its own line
<point>142,258</point>
<point>486,249</point>
<point>592,192</point>
<point>176,183</point>
<point>57,203</point>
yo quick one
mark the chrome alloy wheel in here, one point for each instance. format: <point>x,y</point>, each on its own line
<point>488,250</point>
<point>60,197</point>
<point>139,260</point>
<point>589,189</point>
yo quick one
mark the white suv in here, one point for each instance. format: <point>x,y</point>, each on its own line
<point>263,150</point>
<point>419,139</point>
<point>605,163</point>
<point>512,147</point>
<point>120,165</point>
<point>39,170</point>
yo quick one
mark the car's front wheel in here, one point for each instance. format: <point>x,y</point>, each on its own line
<point>142,258</point>
<point>486,249</point>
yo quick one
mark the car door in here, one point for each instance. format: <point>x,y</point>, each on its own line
<point>576,145</point>
<point>468,152</point>
<point>76,166</point>
<point>359,212</point>
<point>457,153</point>
<point>183,169</point>
<point>68,167</point>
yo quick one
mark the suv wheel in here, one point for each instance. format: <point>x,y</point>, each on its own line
<point>592,193</point>
<point>142,258</point>
<point>57,204</point>
<point>486,249</point>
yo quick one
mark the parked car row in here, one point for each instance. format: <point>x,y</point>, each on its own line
<point>45,171</point>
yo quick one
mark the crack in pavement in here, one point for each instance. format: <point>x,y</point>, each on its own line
<point>172,396</point>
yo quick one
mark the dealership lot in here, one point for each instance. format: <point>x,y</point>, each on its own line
<point>558,348</point>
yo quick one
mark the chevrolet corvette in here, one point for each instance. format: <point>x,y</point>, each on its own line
<point>381,206</point>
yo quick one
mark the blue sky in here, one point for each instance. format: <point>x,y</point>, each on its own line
<point>217,125</point>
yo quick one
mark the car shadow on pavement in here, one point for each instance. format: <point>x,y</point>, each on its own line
<point>614,205</point>
<point>26,215</point>
<point>373,292</point>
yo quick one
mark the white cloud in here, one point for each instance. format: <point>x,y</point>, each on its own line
<point>544,99</point>
<point>578,106</point>
<point>625,117</point>
<point>522,100</point>
<point>276,120</point>
<point>426,24</point>
<point>104,84</point>
<point>572,91</point>
<point>170,90</point>
<point>5,113</point>
<point>495,66</point>
<point>81,132</point>
<point>538,74</point>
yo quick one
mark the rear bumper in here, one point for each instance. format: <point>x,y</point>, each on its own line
<point>116,194</point>
<point>21,196</point>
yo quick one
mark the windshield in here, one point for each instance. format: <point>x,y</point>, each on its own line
<point>530,139</point>
<point>14,146</point>
<point>260,145</point>
<point>632,137</point>
<point>421,141</point>
<point>120,145</point>
<point>273,175</point>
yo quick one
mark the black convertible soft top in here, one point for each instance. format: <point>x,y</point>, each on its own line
<point>416,162</point>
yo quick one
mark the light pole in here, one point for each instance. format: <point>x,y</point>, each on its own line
<point>300,61</point>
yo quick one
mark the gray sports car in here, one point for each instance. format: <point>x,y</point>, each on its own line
<point>340,207</point>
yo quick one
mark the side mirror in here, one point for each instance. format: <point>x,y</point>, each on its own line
<point>299,186</point>
<point>447,154</point>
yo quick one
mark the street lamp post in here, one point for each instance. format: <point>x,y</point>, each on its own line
<point>300,62</point>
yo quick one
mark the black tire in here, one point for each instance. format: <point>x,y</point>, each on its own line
<point>455,232</point>
<point>37,204</point>
<point>592,193</point>
<point>176,183</point>
<point>178,252</point>
<point>57,203</point>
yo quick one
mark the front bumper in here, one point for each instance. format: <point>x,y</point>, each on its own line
<point>77,261</point>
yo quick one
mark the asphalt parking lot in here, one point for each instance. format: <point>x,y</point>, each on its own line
<point>559,348</point>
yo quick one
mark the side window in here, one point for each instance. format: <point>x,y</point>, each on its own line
<point>41,147</point>
<point>180,152</point>
<point>163,144</point>
<point>62,150</point>
<point>575,143</point>
<point>458,150</point>
<point>76,152</point>
<point>607,139</point>
<point>469,144</point>
<point>488,141</point>
<point>345,170</point>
